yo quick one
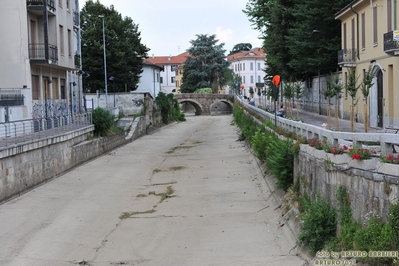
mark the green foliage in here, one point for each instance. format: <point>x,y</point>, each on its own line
<point>318,223</point>
<point>367,82</point>
<point>170,108</point>
<point>204,91</point>
<point>280,162</point>
<point>246,123</point>
<point>334,87</point>
<point>206,65</point>
<point>103,121</point>
<point>251,91</point>
<point>124,49</point>
<point>241,47</point>
<point>286,27</point>
<point>289,90</point>
<point>352,87</point>
<point>260,143</point>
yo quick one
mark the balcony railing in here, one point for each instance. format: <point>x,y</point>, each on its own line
<point>391,42</point>
<point>37,52</point>
<point>36,3</point>
<point>75,18</point>
<point>347,57</point>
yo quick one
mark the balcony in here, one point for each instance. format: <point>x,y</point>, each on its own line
<point>39,53</point>
<point>37,6</point>
<point>76,19</point>
<point>347,58</point>
<point>78,64</point>
<point>391,43</point>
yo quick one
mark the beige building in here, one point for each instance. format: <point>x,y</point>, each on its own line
<point>40,59</point>
<point>370,38</point>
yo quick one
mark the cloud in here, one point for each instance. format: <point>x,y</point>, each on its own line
<point>224,35</point>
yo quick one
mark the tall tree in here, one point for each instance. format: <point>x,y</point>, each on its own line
<point>124,50</point>
<point>205,65</point>
<point>241,47</point>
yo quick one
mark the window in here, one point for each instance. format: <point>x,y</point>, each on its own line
<point>375,25</point>
<point>389,15</point>
<point>235,67</point>
<point>353,38</point>
<point>252,79</point>
<point>259,79</point>
<point>243,79</point>
<point>60,3</point>
<point>158,77</point>
<point>61,39</point>
<point>258,66</point>
<point>243,66</point>
<point>251,66</point>
<point>161,79</point>
<point>69,43</point>
<point>67,4</point>
<point>63,91</point>
<point>35,88</point>
<point>363,31</point>
<point>172,79</point>
<point>173,67</point>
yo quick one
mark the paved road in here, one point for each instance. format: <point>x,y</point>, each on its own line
<point>189,194</point>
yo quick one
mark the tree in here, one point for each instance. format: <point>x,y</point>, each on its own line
<point>334,89</point>
<point>241,47</point>
<point>365,86</point>
<point>124,50</point>
<point>293,50</point>
<point>352,87</point>
<point>205,66</point>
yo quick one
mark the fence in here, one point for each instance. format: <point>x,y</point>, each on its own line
<point>385,140</point>
<point>16,132</point>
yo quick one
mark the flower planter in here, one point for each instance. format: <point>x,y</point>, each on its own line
<point>388,168</point>
<point>339,158</point>
<point>368,164</point>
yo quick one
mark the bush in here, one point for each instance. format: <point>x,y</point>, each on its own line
<point>103,120</point>
<point>318,223</point>
<point>170,108</point>
<point>204,91</point>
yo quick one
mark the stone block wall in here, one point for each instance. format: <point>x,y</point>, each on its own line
<point>372,186</point>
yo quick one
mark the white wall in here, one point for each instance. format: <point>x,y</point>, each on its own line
<point>149,81</point>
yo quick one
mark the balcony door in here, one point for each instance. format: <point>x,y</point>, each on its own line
<point>33,39</point>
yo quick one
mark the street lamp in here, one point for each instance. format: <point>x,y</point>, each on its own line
<point>105,65</point>
<point>111,78</point>
<point>318,75</point>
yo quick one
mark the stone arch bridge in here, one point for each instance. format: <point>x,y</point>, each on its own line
<point>208,104</point>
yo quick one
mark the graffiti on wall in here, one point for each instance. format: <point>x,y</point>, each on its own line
<point>50,108</point>
<point>138,103</point>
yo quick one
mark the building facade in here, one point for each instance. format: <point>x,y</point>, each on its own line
<point>370,39</point>
<point>169,64</point>
<point>150,79</point>
<point>40,61</point>
<point>249,65</point>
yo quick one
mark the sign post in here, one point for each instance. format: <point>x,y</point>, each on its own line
<point>276,82</point>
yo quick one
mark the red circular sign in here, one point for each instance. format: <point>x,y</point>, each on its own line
<point>242,87</point>
<point>276,80</point>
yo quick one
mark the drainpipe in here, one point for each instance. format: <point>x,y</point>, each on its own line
<point>394,14</point>
<point>357,31</point>
<point>45,28</point>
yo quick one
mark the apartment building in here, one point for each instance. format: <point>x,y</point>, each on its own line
<point>250,66</point>
<point>150,79</point>
<point>370,38</point>
<point>40,69</point>
<point>169,64</point>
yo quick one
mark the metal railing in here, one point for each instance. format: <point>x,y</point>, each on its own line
<point>17,132</point>
<point>391,42</point>
<point>347,56</point>
<point>37,51</point>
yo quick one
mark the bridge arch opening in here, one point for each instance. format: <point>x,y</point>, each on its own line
<point>221,107</point>
<point>188,106</point>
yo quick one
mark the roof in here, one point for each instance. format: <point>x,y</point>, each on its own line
<point>169,60</point>
<point>253,53</point>
<point>149,63</point>
<point>346,7</point>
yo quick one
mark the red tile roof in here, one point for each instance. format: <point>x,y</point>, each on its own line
<point>169,60</point>
<point>253,53</point>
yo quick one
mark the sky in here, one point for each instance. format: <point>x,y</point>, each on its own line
<point>168,26</point>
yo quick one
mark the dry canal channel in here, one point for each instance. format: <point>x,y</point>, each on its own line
<point>189,194</point>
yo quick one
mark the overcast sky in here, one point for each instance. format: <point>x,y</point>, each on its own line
<point>168,26</point>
